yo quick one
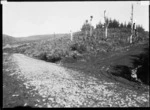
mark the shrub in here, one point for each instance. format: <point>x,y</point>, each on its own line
<point>55,55</point>
<point>42,56</point>
<point>78,47</point>
<point>53,58</point>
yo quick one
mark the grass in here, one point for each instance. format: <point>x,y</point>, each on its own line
<point>93,64</point>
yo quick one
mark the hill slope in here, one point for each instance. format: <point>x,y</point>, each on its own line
<point>8,39</point>
<point>41,37</point>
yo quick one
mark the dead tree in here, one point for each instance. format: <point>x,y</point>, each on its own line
<point>106,24</point>
<point>132,31</point>
<point>86,31</point>
<point>91,25</point>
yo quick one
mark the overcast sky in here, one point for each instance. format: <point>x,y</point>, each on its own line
<point>21,19</point>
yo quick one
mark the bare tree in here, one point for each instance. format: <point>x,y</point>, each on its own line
<point>86,31</point>
<point>91,25</point>
<point>106,24</point>
<point>132,31</point>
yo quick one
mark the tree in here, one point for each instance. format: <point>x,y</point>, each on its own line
<point>121,25</point>
<point>86,26</point>
<point>110,23</point>
<point>129,25</point>
<point>113,23</point>
<point>91,25</point>
<point>99,25</point>
<point>140,28</point>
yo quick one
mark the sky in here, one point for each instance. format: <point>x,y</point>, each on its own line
<point>22,19</point>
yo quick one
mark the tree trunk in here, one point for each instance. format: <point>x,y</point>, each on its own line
<point>130,39</point>
<point>106,31</point>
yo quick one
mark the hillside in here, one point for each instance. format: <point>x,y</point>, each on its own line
<point>41,37</point>
<point>19,40</point>
<point>8,39</point>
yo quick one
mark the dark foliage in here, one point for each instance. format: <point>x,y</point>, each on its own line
<point>116,24</point>
<point>121,25</point>
<point>140,28</point>
<point>122,71</point>
<point>78,47</point>
<point>99,25</point>
<point>142,60</point>
<point>129,25</point>
<point>113,24</point>
<point>54,59</point>
<point>86,27</point>
<point>42,56</point>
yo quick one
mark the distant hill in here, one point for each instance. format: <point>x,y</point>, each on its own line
<point>41,37</point>
<point>8,39</point>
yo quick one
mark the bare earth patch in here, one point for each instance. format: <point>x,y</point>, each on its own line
<point>57,86</point>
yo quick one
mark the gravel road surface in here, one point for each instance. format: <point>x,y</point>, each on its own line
<point>61,87</point>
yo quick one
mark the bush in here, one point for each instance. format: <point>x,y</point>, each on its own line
<point>55,55</point>
<point>41,55</point>
<point>53,58</point>
<point>78,47</point>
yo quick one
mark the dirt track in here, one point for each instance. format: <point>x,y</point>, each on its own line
<point>61,87</point>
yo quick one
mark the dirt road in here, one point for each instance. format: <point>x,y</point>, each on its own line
<point>57,86</point>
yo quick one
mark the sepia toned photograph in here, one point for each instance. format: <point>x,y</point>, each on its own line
<point>75,54</point>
